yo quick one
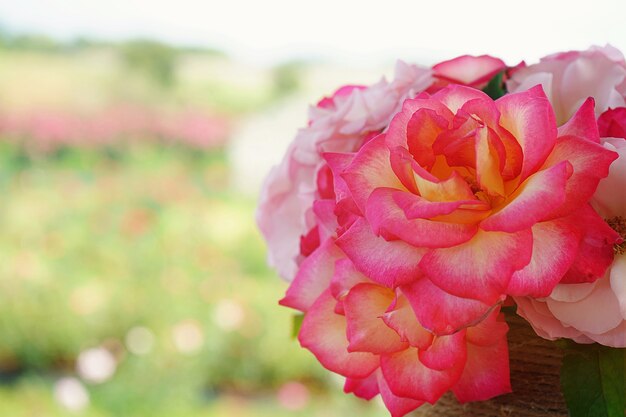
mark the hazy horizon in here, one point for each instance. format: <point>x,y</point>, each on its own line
<point>348,31</point>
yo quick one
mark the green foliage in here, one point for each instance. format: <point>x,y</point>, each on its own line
<point>31,42</point>
<point>154,60</point>
<point>296,325</point>
<point>4,37</point>
<point>203,50</point>
<point>287,78</point>
<point>43,43</point>
<point>593,380</point>
<point>106,74</point>
<point>496,88</point>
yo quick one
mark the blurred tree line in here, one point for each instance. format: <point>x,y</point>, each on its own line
<point>154,60</point>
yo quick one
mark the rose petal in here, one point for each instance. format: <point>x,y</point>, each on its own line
<point>339,162</point>
<point>418,180</point>
<point>401,318</point>
<point>388,263</point>
<point>555,246</point>
<point>313,277</point>
<point>537,197</point>
<point>570,293</point>
<point>585,315</point>
<point>445,352</point>
<point>366,388</point>
<point>469,70</point>
<point>612,123</point>
<point>480,268</point>
<point>397,406</point>
<point>618,281</point>
<point>408,377</point>
<point>385,216</point>
<point>591,163</point>
<point>344,278</point>
<point>367,332</point>
<point>583,123</point>
<point>421,131</point>
<point>490,158</point>
<point>455,96</point>
<point>369,170</point>
<point>608,202</point>
<point>595,252</point>
<point>529,117</point>
<point>416,207</point>
<point>441,312</point>
<point>398,131</point>
<point>489,331</point>
<point>542,320</point>
<point>591,75</point>
<point>324,211</point>
<point>324,333</point>
<point>614,338</point>
<point>486,374</point>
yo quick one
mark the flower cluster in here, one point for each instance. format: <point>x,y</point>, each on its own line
<point>595,311</point>
<point>48,130</point>
<point>407,213</point>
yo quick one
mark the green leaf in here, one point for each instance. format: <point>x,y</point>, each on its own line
<point>495,89</point>
<point>296,324</point>
<point>593,381</point>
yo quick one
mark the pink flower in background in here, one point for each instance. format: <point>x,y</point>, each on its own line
<point>592,312</point>
<point>46,129</point>
<point>340,123</point>
<point>569,78</point>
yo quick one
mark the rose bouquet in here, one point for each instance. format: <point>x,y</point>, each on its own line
<point>409,214</point>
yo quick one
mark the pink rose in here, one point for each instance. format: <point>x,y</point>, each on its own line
<point>368,333</point>
<point>472,200</point>
<point>569,78</point>
<point>423,231</point>
<point>341,123</point>
<point>472,71</point>
<point>593,312</point>
<point>337,124</point>
<point>612,123</point>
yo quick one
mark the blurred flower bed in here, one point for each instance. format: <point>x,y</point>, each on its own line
<point>133,280</point>
<point>46,130</point>
<point>134,283</point>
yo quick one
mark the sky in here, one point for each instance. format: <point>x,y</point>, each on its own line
<point>349,31</point>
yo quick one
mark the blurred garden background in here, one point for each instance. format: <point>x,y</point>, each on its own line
<point>133,280</point>
<point>134,137</point>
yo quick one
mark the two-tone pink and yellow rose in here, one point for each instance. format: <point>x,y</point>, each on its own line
<point>480,200</point>
<point>461,202</point>
<point>341,123</point>
<point>408,217</point>
<point>368,333</point>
